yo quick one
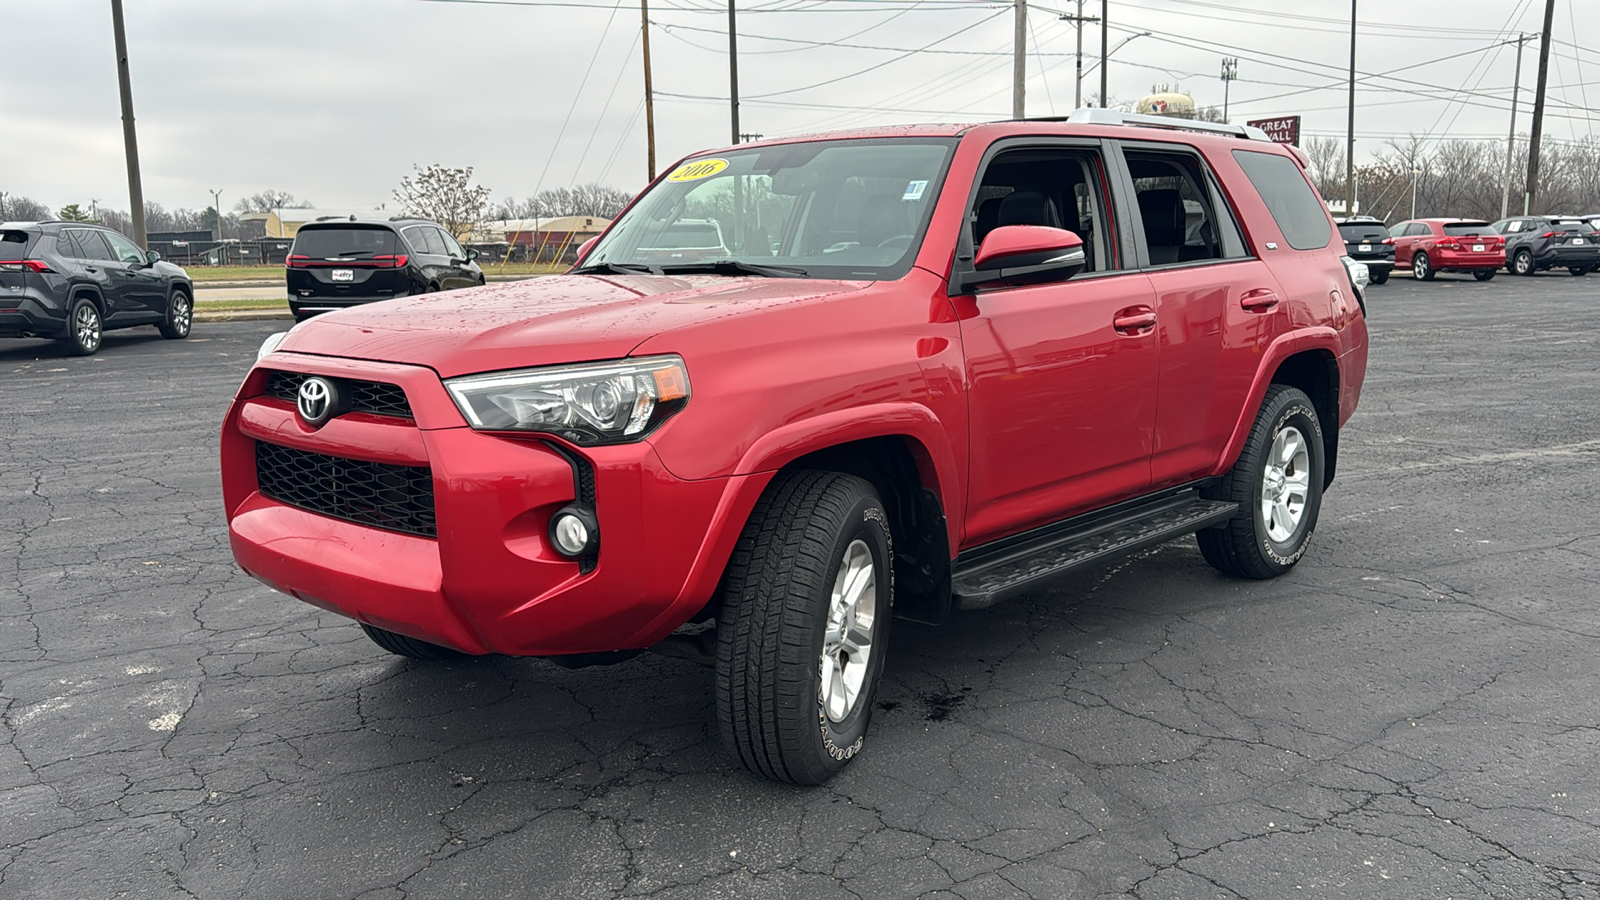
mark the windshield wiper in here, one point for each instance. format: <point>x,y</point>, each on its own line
<point>611,268</point>
<point>734,267</point>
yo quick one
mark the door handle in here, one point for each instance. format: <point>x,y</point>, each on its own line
<point>90,269</point>
<point>1259,299</point>
<point>1134,320</point>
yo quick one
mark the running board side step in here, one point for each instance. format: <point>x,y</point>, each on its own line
<point>986,575</point>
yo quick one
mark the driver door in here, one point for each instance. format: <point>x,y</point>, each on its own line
<point>1062,398</point>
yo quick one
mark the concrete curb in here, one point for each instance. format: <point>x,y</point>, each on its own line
<point>239,315</point>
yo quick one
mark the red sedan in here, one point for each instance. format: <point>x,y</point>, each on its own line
<point>1430,246</point>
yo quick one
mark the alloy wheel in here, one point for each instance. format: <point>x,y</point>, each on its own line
<point>86,327</point>
<point>847,642</point>
<point>1285,484</point>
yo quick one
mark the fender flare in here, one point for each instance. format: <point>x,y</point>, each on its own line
<point>1316,337</point>
<point>783,445</point>
<point>94,291</point>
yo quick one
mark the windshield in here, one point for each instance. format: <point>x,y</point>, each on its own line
<point>343,241</point>
<point>817,209</point>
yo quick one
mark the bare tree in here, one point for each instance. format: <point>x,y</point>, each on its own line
<point>446,195</point>
<point>1326,156</point>
<point>269,200</point>
<point>22,209</point>
<point>584,200</point>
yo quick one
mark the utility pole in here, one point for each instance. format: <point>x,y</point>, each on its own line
<point>733,69</point>
<point>216,204</point>
<point>1511,135</point>
<point>1230,71</point>
<point>1532,193</point>
<point>129,141</point>
<point>1078,21</point>
<point>1019,61</point>
<point>1105,41</point>
<point>1350,128</point>
<point>649,95</point>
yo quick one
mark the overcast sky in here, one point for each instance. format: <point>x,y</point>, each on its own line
<point>334,100</point>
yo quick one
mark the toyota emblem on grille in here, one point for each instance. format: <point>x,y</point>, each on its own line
<point>317,401</point>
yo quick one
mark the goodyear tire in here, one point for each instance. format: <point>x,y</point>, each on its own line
<point>804,626</point>
<point>409,647</point>
<point>1277,483</point>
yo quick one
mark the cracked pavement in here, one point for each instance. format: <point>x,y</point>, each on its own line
<point>1412,712</point>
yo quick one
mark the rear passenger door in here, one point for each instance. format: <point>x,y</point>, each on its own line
<point>1061,376</point>
<point>1217,305</point>
<point>89,256</point>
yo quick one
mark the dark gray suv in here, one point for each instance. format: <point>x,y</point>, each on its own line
<point>336,263</point>
<point>1534,243</point>
<point>72,281</point>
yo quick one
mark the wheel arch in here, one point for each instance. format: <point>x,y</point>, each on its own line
<point>94,295</point>
<point>1303,359</point>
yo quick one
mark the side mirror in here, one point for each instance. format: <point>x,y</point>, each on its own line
<point>472,255</point>
<point>585,247</point>
<point>1026,253</point>
<point>151,257</point>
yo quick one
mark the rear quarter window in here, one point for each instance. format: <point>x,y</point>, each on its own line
<point>14,245</point>
<point>1283,188</point>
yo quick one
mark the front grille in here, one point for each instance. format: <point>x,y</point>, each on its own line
<point>373,397</point>
<point>396,498</point>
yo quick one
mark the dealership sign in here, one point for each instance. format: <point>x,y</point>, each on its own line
<point>1284,129</point>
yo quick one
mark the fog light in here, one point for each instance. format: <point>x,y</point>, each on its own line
<point>574,531</point>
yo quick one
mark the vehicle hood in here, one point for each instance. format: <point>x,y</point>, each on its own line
<point>542,321</point>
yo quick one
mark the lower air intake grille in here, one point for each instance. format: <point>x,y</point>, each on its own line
<point>396,498</point>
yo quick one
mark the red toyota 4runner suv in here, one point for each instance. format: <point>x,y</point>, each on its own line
<point>926,369</point>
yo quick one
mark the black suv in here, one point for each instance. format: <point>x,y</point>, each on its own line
<point>336,263</point>
<point>1367,240</point>
<point>1548,242</point>
<point>73,280</point>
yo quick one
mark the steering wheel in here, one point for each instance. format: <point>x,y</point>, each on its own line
<point>898,242</point>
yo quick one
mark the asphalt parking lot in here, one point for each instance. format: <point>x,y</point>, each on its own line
<point>1412,712</point>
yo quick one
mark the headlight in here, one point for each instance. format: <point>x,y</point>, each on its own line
<point>594,403</point>
<point>270,344</point>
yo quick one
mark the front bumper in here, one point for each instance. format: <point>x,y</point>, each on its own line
<point>490,582</point>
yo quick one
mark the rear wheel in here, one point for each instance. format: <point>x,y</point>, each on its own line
<point>1422,267</point>
<point>1379,277</point>
<point>1277,483</point>
<point>1522,263</point>
<point>1579,270</point>
<point>179,318</point>
<point>83,334</point>
<point>804,626</point>
<point>1483,274</point>
<point>409,647</point>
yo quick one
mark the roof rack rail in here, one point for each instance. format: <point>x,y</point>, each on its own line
<point>1097,116</point>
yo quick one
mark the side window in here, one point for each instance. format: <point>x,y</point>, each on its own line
<point>93,245</point>
<point>1418,228</point>
<point>1398,229</point>
<point>450,245</point>
<point>67,244</point>
<point>1294,205</point>
<point>1054,186</point>
<point>1176,208</point>
<point>434,239</point>
<point>413,236</point>
<point>126,251</point>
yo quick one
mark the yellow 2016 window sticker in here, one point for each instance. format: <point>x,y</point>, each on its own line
<point>698,169</point>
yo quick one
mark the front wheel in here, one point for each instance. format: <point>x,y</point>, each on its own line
<point>804,625</point>
<point>1483,274</point>
<point>1277,483</point>
<point>1579,270</point>
<point>179,318</point>
<point>1421,267</point>
<point>409,647</point>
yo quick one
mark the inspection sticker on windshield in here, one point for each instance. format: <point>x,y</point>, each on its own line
<point>914,190</point>
<point>700,168</point>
